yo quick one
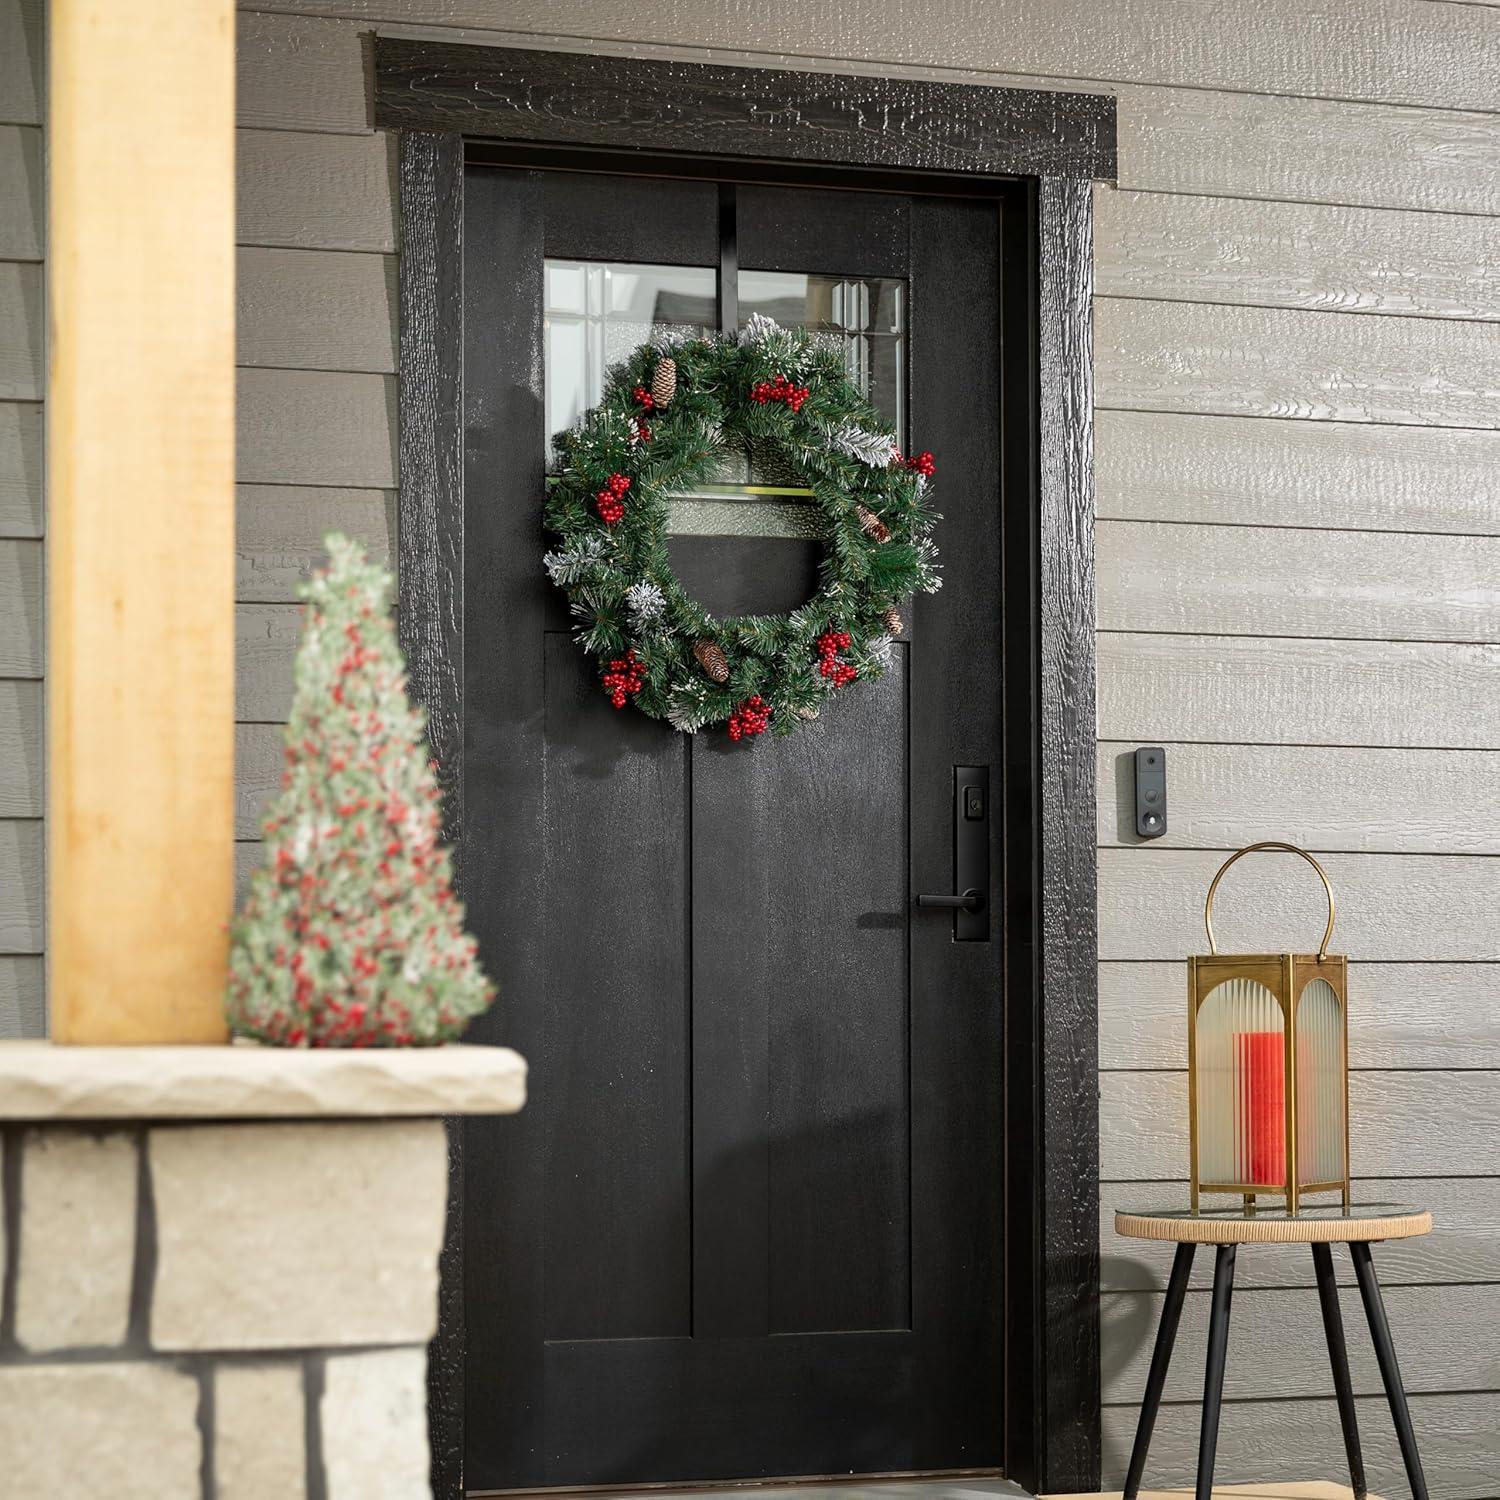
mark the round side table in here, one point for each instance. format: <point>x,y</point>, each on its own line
<point>1359,1227</point>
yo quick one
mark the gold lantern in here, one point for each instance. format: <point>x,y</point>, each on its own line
<point>1268,1074</point>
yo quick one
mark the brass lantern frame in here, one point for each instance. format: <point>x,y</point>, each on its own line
<point>1286,977</point>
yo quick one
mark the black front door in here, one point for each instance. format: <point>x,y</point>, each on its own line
<point>750,1222</point>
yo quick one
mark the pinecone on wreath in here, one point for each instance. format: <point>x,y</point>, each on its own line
<point>871,524</point>
<point>891,619</point>
<point>664,381</point>
<point>712,659</point>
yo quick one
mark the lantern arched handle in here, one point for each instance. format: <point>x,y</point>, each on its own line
<point>1208,905</point>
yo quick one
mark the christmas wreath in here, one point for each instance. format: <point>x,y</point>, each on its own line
<point>667,416</point>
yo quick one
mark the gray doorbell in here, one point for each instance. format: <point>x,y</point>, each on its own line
<point>1151,791</point>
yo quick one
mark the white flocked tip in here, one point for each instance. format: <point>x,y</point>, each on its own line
<point>757,327</point>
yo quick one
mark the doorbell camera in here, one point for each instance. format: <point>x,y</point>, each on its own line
<point>1151,791</point>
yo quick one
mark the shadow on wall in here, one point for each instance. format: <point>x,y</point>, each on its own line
<point>1126,1324</point>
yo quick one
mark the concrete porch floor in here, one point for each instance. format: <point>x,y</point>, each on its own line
<point>1308,1490</point>
<point>980,1488</point>
<point>950,1487</point>
<point>964,1487</point>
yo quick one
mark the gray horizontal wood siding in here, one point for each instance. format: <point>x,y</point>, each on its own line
<point>1297,478</point>
<point>21,460</point>
<point>23,192</point>
<point>317,192</point>
<point>1279,362</point>
<point>1383,50</point>
<point>316,310</point>
<point>1277,1440</point>
<point>1393,907</point>
<point>1442,1014</point>
<point>1191,249</point>
<point>1326,797</point>
<point>1264,581</point>
<point>1279,1348</point>
<point>1223,471</point>
<point>1408,1123</point>
<point>23,67</point>
<point>22,386</point>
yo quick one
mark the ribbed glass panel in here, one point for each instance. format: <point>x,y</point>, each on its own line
<point>1241,1096</point>
<point>1320,1084</point>
<point>862,318</point>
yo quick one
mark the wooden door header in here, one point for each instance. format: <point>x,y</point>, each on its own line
<point>770,114</point>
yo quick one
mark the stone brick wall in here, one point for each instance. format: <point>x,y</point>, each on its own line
<point>219,1311</point>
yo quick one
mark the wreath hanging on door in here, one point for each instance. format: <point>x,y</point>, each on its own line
<point>667,415</point>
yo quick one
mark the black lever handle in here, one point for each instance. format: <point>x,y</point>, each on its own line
<point>971,900</point>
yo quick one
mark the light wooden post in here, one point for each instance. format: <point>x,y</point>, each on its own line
<point>140,545</point>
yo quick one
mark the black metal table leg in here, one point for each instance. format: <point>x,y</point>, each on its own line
<point>1213,1374</point>
<point>1338,1357</point>
<point>1390,1371</point>
<point>1166,1336</point>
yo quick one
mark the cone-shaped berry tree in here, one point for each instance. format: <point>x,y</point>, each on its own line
<point>350,935</point>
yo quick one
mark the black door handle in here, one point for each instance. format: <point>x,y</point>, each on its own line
<point>971,900</point>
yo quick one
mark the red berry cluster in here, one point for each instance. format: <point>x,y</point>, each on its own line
<point>830,643</point>
<point>922,462</point>
<point>781,389</point>
<point>642,432</point>
<point>622,677</point>
<point>610,501</point>
<point>643,398</point>
<point>750,718</point>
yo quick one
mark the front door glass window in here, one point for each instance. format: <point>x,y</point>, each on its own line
<point>597,312</point>
<point>862,318</point>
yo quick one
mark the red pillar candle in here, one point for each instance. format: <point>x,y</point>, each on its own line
<point>1262,1106</point>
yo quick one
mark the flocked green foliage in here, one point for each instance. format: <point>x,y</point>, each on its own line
<point>624,595</point>
<point>350,935</point>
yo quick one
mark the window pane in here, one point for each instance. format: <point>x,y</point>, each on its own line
<point>597,312</point>
<point>863,318</point>
<point>860,318</point>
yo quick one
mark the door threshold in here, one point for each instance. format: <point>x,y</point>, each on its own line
<point>721,1486</point>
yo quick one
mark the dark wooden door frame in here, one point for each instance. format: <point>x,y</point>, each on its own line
<point>1041,151</point>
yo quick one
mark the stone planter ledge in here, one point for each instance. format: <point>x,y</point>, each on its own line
<point>245,1081</point>
<point>221,1265</point>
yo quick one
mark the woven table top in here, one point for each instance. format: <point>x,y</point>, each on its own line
<point>1319,1224</point>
